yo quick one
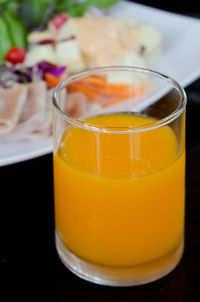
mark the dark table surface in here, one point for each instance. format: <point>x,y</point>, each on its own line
<point>30,266</point>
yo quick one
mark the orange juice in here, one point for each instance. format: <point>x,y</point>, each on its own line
<point>119,197</point>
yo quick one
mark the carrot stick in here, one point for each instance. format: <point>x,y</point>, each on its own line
<point>51,80</point>
<point>96,88</point>
<point>100,82</point>
<point>87,90</point>
<point>106,90</point>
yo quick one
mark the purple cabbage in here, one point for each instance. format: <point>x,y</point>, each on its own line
<point>11,75</point>
<point>2,85</point>
<point>45,66</point>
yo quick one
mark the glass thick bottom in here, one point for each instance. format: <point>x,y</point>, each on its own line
<point>119,276</point>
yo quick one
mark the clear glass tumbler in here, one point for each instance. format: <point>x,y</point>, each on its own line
<point>119,174</point>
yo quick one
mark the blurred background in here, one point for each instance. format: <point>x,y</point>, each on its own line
<point>185,7</point>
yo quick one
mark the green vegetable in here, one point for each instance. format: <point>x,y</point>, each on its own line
<point>16,28</point>
<point>11,5</point>
<point>12,29</point>
<point>78,9</point>
<point>5,39</point>
<point>37,13</point>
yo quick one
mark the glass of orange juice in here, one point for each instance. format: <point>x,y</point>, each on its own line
<point>119,174</point>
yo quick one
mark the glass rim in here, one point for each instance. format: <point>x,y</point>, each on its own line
<point>119,129</point>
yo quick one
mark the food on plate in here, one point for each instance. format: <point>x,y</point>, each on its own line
<point>93,41</point>
<point>25,98</point>
<point>33,63</point>
<point>105,40</point>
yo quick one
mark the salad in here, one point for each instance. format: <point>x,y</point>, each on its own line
<point>73,36</point>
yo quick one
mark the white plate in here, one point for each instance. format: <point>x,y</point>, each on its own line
<point>180,59</point>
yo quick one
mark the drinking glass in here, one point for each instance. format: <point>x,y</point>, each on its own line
<point>119,174</point>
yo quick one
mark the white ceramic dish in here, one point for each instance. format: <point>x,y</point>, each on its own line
<point>180,59</point>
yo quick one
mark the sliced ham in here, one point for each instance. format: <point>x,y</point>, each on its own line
<point>76,104</point>
<point>25,110</point>
<point>35,118</point>
<point>48,111</point>
<point>12,101</point>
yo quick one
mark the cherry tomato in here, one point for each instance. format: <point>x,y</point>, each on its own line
<point>16,55</point>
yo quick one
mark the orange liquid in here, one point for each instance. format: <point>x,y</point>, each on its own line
<point>119,198</point>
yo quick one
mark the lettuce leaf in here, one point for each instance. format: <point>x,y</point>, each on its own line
<point>37,13</point>
<point>16,29</point>
<point>11,5</point>
<point>5,39</point>
<point>78,8</point>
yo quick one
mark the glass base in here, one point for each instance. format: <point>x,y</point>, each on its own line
<point>119,276</point>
